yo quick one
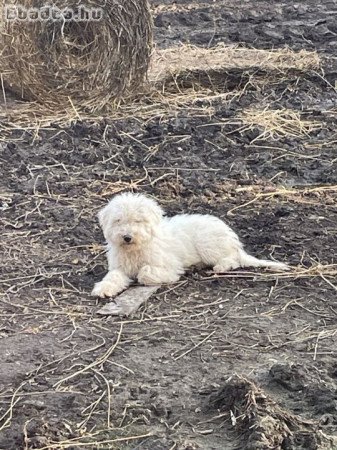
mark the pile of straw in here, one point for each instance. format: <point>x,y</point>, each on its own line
<point>186,59</point>
<point>86,64</point>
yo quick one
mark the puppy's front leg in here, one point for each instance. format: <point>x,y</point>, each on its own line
<point>157,275</point>
<point>114,282</point>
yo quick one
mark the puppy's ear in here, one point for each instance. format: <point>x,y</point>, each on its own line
<point>103,217</point>
<point>156,212</point>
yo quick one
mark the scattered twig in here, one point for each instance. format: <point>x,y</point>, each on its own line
<point>98,362</point>
<point>195,346</point>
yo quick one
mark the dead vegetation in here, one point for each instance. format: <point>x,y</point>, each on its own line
<point>186,61</point>
<point>83,65</point>
<point>181,78</point>
<point>277,123</point>
<point>304,196</point>
<point>262,423</point>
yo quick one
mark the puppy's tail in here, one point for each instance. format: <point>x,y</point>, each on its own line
<point>250,261</point>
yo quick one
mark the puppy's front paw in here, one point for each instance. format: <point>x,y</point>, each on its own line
<point>105,289</point>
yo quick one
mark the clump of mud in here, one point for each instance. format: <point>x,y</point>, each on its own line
<point>312,391</point>
<point>261,424</point>
<point>39,433</point>
<point>293,378</point>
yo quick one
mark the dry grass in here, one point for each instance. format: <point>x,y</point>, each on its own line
<point>302,196</point>
<point>277,123</point>
<point>94,441</point>
<point>180,78</point>
<point>88,64</point>
<point>188,59</point>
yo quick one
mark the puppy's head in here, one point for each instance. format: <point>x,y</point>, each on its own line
<point>130,220</point>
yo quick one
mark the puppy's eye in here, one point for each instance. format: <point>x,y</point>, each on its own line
<point>116,221</point>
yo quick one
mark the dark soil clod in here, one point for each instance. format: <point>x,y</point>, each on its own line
<point>261,423</point>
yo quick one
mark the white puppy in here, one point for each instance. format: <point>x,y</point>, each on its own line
<point>144,244</point>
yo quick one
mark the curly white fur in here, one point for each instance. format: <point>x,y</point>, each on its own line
<point>144,244</point>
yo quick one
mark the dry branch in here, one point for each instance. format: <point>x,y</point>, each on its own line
<point>129,301</point>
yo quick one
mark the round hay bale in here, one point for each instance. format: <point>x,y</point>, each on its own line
<point>91,60</point>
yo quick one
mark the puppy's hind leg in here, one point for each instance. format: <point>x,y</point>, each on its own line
<point>239,258</point>
<point>226,264</point>
<point>221,253</point>
<point>222,249</point>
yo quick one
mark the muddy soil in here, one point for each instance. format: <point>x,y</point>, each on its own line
<point>70,378</point>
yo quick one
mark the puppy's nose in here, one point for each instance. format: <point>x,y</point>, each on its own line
<point>127,238</point>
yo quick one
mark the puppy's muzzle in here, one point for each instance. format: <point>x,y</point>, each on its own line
<point>127,238</point>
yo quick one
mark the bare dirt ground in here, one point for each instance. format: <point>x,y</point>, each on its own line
<point>246,360</point>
